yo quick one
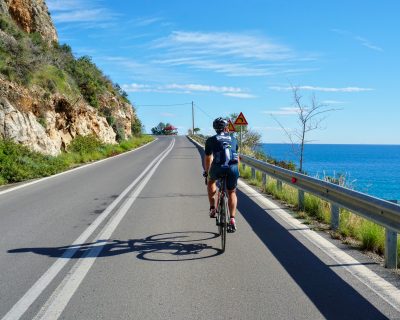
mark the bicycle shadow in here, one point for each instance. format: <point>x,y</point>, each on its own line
<point>163,247</point>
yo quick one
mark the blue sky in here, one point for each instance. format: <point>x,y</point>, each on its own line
<point>243,56</point>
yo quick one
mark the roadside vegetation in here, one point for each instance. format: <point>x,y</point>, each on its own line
<point>18,163</point>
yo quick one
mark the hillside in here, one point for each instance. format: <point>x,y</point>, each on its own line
<point>47,96</point>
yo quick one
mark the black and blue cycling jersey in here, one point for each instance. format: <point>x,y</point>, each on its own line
<point>224,149</point>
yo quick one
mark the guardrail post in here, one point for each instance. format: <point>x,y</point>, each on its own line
<point>335,216</point>
<point>390,248</point>
<point>264,179</point>
<point>301,199</point>
<point>279,185</point>
<point>253,173</point>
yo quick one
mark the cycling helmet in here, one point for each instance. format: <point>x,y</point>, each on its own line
<point>219,124</point>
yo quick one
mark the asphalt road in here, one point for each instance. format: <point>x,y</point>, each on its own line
<point>130,238</point>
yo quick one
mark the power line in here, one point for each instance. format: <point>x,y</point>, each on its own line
<point>198,107</point>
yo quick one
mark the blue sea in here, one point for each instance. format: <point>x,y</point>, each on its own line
<point>372,169</point>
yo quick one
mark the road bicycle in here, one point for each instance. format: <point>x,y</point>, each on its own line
<point>222,210</point>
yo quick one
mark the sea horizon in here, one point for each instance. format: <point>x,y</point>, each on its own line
<point>373,169</point>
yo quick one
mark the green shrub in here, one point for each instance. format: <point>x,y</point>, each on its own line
<point>136,127</point>
<point>11,28</point>
<point>85,144</point>
<point>110,120</point>
<point>55,80</point>
<point>89,79</point>
<point>119,129</point>
<point>312,206</point>
<point>18,163</point>
<point>372,236</point>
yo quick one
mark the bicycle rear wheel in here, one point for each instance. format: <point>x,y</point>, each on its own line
<point>223,222</point>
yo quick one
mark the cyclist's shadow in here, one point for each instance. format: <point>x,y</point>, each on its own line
<point>173,246</point>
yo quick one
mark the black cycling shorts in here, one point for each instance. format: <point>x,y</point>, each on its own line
<point>216,171</point>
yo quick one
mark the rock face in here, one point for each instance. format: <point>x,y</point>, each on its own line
<point>24,128</point>
<point>31,16</point>
<point>47,125</point>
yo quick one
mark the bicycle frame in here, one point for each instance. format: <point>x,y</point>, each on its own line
<point>222,210</point>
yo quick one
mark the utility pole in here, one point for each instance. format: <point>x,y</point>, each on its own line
<point>192,118</point>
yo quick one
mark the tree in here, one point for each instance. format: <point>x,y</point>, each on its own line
<point>164,129</point>
<point>159,129</point>
<point>170,130</point>
<point>309,119</point>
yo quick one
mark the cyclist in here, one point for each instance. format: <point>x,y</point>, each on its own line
<point>221,156</point>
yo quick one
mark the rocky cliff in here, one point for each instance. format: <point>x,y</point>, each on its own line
<point>31,16</point>
<point>43,102</point>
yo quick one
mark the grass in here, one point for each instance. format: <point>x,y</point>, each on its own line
<point>368,235</point>
<point>18,163</point>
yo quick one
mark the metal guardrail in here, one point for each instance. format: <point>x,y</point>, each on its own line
<point>382,212</point>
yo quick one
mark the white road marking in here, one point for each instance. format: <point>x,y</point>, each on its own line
<point>57,302</point>
<point>71,170</point>
<point>379,286</point>
<point>41,284</point>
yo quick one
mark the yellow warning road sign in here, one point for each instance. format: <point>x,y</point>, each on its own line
<point>241,120</point>
<point>231,127</point>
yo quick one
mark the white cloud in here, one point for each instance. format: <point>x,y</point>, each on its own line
<point>363,41</point>
<point>188,88</point>
<point>89,15</point>
<point>283,112</point>
<point>242,95</point>
<point>322,89</point>
<point>144,22</point>
<point>140,70</point>
<point>331,102</point>
<point>68,11</point>
<point>366,43</point>
<point>232,54</point>
<point>63,5</point>
<point>227,44</point>
<point>135,87</point>
<point>205,88</point>
<point>231,69</point>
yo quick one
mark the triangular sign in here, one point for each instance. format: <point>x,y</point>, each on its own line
<point>231,127</point>
<point>241,120</point>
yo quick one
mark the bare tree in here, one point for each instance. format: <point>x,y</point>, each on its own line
<point>310,118</point>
